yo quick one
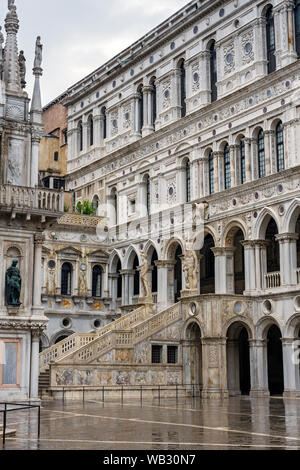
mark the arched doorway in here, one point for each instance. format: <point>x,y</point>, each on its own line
<point>275,361</point>
<point>238,360</point>
<point>239,263</point>
<point>193,356</point>
<point>207,266</point>
<point>273,263</point>
<point>177,274</point>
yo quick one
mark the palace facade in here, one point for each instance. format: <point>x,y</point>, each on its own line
<point>200,113</point>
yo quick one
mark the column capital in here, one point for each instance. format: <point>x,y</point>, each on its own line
<point>123,272</point>
<point>39,239</point>
<point>165,263</point>
<point>223,250</point>
<point>234,147</point>
<point>286,236</point>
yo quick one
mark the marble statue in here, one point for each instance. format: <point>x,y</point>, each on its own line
<point>11,4</point>
<point>146,289</point>
<point>22,66</point>
<point>190,269</point>
<point>13,284</point>
<point>38,53</point>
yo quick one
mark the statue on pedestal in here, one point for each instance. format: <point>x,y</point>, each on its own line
<point>13,283</point>
<point>38,53</point>
<point>22,66</point>
<point>11,4</point>
<point>144,277</point>
<point>191,269</point>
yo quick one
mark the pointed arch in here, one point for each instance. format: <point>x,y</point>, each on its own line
<point>262,222</point>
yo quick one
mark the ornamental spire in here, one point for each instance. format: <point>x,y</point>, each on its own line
<point>11,62</point>
<point>36,103</point>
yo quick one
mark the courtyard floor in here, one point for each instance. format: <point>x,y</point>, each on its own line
<point>191,423</point>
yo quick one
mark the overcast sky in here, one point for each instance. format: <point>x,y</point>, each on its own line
<point>80,35</point>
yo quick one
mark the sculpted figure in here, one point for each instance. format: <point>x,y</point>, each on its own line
<point>11,4</point>
<point>144,276</point>
<point>1,51</point>
<point>13,284</point>
<point>22,66</point>
<point>38,53</point>
<point>191,269</point>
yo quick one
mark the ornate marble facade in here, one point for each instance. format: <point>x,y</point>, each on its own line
<point>204,113</point>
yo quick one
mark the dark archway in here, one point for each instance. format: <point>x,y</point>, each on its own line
<point>239,263</point>
<point>207,266</point>
<point>154,272</point>
<point>273,260</point>
<point>238,360</point>
<point>61,338</point>
<point>275,361</point>
<point>136,279</point>
<point>194,358</point>
<point>177,274</point>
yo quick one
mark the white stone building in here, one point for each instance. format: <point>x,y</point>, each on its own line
<point>25,212</point>
<point>204,109</point>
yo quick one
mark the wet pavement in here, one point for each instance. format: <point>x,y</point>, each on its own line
<point>191,423</point>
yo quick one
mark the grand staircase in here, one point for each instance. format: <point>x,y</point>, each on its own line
<point>77,343</point>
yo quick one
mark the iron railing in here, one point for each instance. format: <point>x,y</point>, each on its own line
<point>21,406</point>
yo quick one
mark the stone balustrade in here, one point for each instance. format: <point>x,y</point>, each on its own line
<point>119,337</point>
<point>20,197</point>
<point>272,280</point>
<point>76,341</point>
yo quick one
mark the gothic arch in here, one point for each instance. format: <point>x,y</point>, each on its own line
<point>149,247</point>
<point>291,216</point>
<point>292,327</point>
<point>263,325</point>
<point>245,322</point>
<point>229,231</point>
<point>190,322</point>
<point>273,124</point>
<point>129,257</point>
<point>171,246</point>
<point>262,223</point>
<point>265,8</point>
<point>113,262</point>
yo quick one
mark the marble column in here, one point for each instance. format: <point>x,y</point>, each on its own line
<point>258,368</point>
<point>288,257</point>
<point>148,127</point>
<point>205,91</point>
<point>217,185</point>
<point>34,367</point>
<point>233,164</point>
<point>250,266</point>
<point>214,367</point>
<point>260,47</point>
<point>85,126</point>
<point>288,53</point>
<point>97,130</point>
<point>290,370</point>
<point>136,99</point>
<point>37,308</point>
<point>224,269</point>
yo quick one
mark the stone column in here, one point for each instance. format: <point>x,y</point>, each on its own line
<point>290,370</point>
<point>34,366</point>
<point>261,47</point>
<point>37,308</point>
<point>205,91</point>
<point>214,367</point>
<point>258,368</point>
<point>288,53</point>
<point>260,263</point>
<point>250,266</point>
<point>268,155</point>
<point>148,127</point>
<point>113,279</point>
<point>176,103</point>
<point>163,294</point>
<point>288,257</point>
<point>136,98</point>
<point>201,164</point>
<point>224,269</point>
<point>97,130</point>
<point>127,286</point>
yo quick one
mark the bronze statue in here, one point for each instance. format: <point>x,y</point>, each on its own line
<point>13,283</point>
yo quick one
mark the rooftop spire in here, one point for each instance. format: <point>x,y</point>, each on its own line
<point>11,63</point>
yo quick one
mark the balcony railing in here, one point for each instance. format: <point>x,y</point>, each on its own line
<point>21,197</point>
<point>272,280</point>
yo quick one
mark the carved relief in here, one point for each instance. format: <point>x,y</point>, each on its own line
<point>247,41</point>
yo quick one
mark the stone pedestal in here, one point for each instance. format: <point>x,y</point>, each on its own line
<point>189,293</point>
<point>148,303</point>
<point>14,311</point>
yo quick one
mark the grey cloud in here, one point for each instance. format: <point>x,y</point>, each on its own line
<point>80,35</point>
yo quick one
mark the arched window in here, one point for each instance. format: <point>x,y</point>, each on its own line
<point>80,136</point>
<point>103,122</point>
<point>114,207</point>
<point>227,177</point>
<point>211,173</point>
<point>140,109</point>
<point>213,72</point>
<point>279,147</point>
<point>261,154</point>
<point>273,259</point>
<point>242,161</point>
<point>153,102</point>
<point>148,194</point>
<point>154,271</point>
<point>91,131</point>
<point>271,47</point>
<point>136,280</point>
<point>66,279</point>
<point>182,87</point>
<point>96,281</point>
<point>297,26</point>
<point>119,281</point>
<point>188,180</point>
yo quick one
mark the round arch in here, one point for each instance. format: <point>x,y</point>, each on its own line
<point>262,223</point>
<point>60,334</point>
<point>230,230</point>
